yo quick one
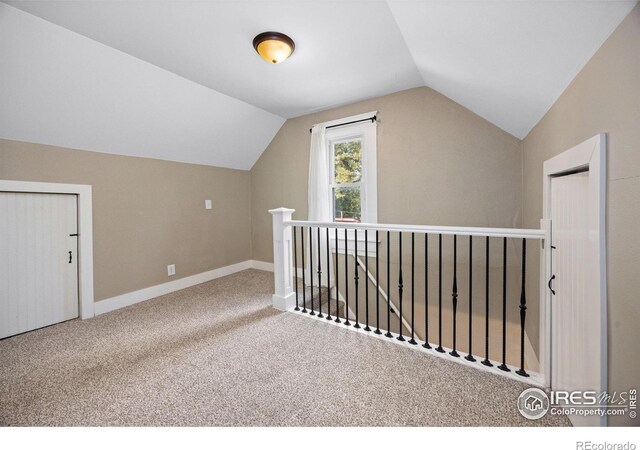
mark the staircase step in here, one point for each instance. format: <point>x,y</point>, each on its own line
<point>324,294</point>
<point>314,294</point>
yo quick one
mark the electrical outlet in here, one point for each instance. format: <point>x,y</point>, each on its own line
<point>207,204</point>
<point>171,269</point>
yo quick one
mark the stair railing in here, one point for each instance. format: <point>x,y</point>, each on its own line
<point>287,293</point>
<point>394,308</point>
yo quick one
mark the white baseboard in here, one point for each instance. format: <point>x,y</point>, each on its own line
<point>131,298</point>
<point>268,267</point>
<point>261,265</point>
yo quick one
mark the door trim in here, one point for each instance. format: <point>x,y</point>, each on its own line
<point>589,155</point>
<point>85,231</point>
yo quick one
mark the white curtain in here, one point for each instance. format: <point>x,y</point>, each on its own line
<point>319,206</point>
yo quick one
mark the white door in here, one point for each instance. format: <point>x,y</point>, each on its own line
<point>38,260</point>
<point>575,335</point>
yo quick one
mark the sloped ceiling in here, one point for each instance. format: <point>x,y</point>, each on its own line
<point>180,80</point>
<point>507,61</point>
<point>345,50</point>
<point>60,88</point>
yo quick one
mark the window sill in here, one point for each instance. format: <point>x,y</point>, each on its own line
<point>371,245</point>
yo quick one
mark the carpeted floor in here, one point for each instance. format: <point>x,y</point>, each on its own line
<point>218,354</point>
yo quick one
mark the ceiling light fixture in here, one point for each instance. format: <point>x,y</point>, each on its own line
<point>273,47</point>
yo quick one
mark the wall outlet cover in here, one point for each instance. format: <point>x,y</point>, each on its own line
<point>207,204</point>
<point>171,269</point>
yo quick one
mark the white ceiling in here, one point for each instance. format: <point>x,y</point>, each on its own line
<point>508,61</point>
<point>345,50</point>
<point>60,88</point>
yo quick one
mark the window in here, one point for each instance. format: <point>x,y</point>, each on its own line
<point>346,185</point>
<point>352,164</point>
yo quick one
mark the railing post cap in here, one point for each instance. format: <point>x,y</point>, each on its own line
<point>281,210</point>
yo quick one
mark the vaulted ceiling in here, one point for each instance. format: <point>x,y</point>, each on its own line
<point>202,95</point>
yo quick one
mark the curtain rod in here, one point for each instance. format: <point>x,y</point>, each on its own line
<point>372,119</point>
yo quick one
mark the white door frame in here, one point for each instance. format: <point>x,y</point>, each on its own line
<point>589,155</point>
<point>85,232</point>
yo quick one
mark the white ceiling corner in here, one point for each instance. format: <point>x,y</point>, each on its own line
<point>507,61</point>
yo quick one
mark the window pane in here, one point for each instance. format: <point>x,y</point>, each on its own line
<point>346,204</point>
<point>348,161</point>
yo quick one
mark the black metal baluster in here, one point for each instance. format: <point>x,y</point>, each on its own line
<point>295,264</point>
<point>328,280</point>
<point>523,309</point>
<point>304,281</point>
<point>454,294</point>
<point>319,277</point>
<point>426,292</point>
<point>346,279</point>
<point>356,276</point>
<point>439,348</point>
<point>503,366</point>
<point>400,287</point>
<point>337,278</point>
<point>312,312</point>
<point>413,287</point>
<point>486,361</point>
<point>388,333</point>
<point>366,280</point>
<point>470,357</point>
<point>377,330</point>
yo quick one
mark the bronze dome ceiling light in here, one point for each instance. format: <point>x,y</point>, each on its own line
<point>273,47</point>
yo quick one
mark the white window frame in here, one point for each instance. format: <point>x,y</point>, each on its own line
<point>366,131</point>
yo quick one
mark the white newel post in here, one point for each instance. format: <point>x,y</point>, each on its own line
<point>284,297</point>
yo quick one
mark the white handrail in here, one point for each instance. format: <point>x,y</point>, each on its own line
<point>519,233</point>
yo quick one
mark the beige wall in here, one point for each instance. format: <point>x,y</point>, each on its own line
<point>604,97</point>
<point>147,213</point>
<point>438,164</point>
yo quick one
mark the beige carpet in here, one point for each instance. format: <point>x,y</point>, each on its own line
<point>218,354</point>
